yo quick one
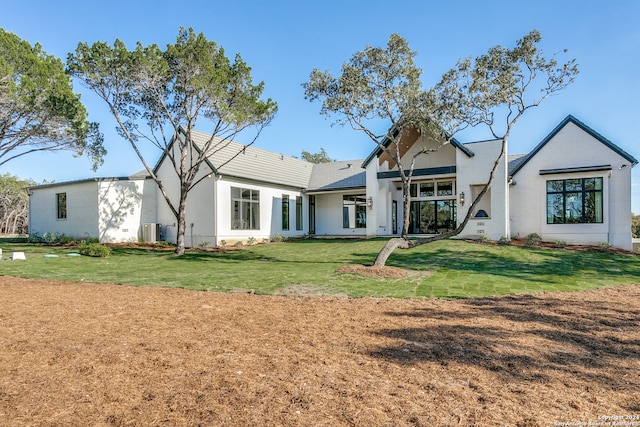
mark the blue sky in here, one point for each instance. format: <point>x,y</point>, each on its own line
<point>284,40</point>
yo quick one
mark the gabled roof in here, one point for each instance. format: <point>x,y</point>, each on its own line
<point>570,119</point>
<point>255,163</point>
<point>379,151</point>
<point>337,176</point>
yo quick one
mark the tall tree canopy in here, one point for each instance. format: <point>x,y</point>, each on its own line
<point>320,157</point>
<point>38,109</point>
<point>495,90</point>
<point>159,96</point>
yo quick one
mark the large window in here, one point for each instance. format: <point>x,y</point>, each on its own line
<point>285,212</point>
<point>61,204</point>
<point>574,201</point>
<point>299,222</point>
<point>354,211</point>
<point>432,216</point>
<point>245,209</point>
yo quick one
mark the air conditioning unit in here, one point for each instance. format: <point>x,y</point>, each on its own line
<point>151,233</point>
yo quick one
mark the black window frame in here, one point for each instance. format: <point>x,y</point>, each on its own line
<point>585,191</point>
<point>61,205</point>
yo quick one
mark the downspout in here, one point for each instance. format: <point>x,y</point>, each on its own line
<point>609,208</point>
<point>215,211</point>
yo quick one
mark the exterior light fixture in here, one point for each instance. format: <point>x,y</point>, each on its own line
<point>370,202</point>
<point>462,198</point>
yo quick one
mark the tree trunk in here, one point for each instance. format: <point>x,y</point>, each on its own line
<point>388,248</point>
<point>182,223</point>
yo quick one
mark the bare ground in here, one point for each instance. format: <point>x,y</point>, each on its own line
<point>108,355</point>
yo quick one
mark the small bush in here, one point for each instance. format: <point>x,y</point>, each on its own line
<point>94,249</point>
<point>277,238</point>
<point>204,244</point>
<point>559,244</point>
<point>532,239</point>
<point>603,246</point>
<point>504,241</point>
<point>238,244</point>
<point>223,243</point>
<point>251,241</point>
<point>483,238</point>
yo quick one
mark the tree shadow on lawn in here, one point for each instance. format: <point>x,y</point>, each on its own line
<point>227,255</point>
<point>538,265</point>
<point>526,338</point>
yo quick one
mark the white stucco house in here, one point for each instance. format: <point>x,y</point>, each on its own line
<point>574,186</point>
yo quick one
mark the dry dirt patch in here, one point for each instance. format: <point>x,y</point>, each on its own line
<point>108,355</point>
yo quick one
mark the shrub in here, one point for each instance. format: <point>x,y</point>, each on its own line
<point>504,241</point>
<point>94,249</point>
<point>238,244</point>
<point>559,244</point>
<point>483,238</point>
<point>603,246</point>
<point>532,239</point>
<point>277,238</point>
<point>223,243</point>
<point>251,241</point>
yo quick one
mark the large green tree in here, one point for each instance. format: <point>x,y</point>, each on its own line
<point>38,109</point>
<point>159,96</point>
<point>14,204</point>
<point>384,84</point>
<point>319,157</point>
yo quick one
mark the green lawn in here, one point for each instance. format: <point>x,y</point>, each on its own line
<point>446,269</point>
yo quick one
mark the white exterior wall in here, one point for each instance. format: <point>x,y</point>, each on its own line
<point>270,211</point>
<point>470,171</point>
<point>123,207</point>
<point>82,210</point>
<point>571,147</point>
<point>329,215</point>
<point>473,172</point>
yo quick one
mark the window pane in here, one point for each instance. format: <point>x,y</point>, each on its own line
<point>413,190</point>
<point>574,185</point>
<point>285,212</point>
<point>255,216</point>
<point>445,188</point>
<point>555,208</point>
<point>361,216</point>
<point>426,189</point>
<point>573,207</point>
<point>593,207</point>
<point>299,224</point>
<point>428,218</point>
<point>446,215</point>
<point>61,201</point>
<point>555,186</point>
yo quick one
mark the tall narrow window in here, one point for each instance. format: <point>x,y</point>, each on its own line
<point>245,209</point>
<point>312,214</point>
<point>299,221</point>
<point>61,203</point>
<point>285,212</point>
<point>574,201</point>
